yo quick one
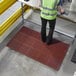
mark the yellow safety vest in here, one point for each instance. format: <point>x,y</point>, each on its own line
<point>49,9</point>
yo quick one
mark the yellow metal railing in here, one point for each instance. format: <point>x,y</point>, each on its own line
<point>6,24</point>
<point>5,4</point>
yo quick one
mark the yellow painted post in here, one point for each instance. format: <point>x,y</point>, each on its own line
<point>5,4</point>
<point>6,24</point>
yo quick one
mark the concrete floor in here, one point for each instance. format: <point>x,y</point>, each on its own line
<point>15,64</point>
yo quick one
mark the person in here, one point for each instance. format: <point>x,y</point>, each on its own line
<point>49,10</point>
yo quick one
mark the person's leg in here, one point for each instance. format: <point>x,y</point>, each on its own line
<point>43,29</point>
<point>51,30</point>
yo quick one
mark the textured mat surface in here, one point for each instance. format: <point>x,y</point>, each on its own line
<point>28,42</point>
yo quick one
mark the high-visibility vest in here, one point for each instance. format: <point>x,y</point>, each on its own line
<point>49,9</point>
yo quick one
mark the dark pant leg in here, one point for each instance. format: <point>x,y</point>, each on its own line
<point>43,29</point>
<point>51,30</point>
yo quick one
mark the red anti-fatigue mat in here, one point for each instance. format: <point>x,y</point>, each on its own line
<point>28,42</point>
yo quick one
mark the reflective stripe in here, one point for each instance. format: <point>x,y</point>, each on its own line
<point>46,8</point>
<point>49,14</point>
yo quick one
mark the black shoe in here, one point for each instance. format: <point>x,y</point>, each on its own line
<point>48,42</point>
<point>44,40</point>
